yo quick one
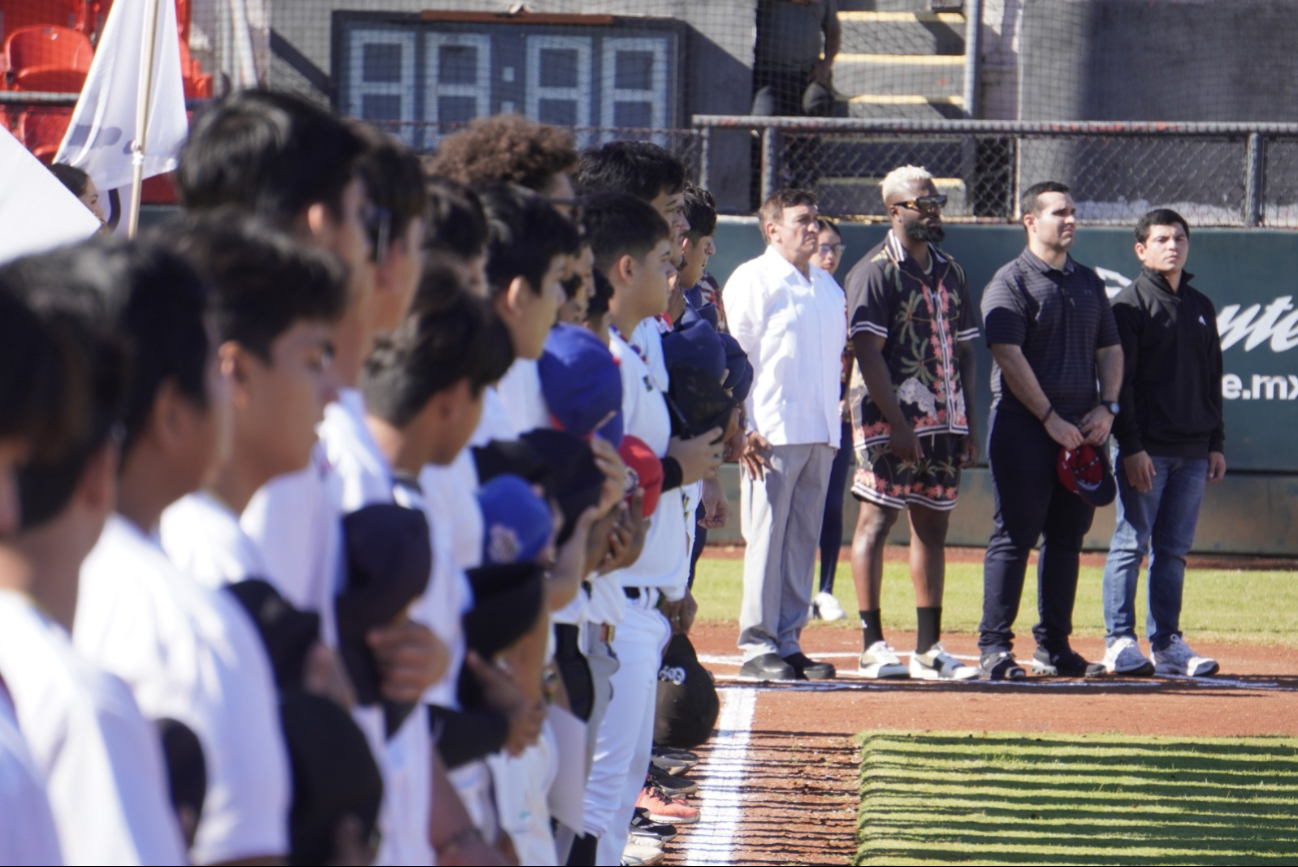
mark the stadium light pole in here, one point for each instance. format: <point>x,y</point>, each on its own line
<point>143,104</point>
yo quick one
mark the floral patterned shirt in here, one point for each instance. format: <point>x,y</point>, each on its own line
<point>921,316</point>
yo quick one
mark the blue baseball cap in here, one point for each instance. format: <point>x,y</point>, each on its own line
<point>516,523</point>
<point>581,384</point>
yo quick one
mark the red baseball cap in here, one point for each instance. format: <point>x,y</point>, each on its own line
<point>1085,472</point>
<point>646,467</point>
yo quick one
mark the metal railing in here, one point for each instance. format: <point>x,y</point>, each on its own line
<point>1214,173</point>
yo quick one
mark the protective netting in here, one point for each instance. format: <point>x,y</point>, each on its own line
<point>647,68</point>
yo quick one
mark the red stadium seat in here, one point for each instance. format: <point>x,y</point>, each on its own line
<point>17,14</point>
<point>197,84</point>
<point>48,58</point>
<point>41,129</point>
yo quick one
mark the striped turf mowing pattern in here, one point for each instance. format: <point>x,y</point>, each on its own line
<point>1081,799</point>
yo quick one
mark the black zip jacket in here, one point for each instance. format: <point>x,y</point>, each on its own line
<point>1171,370</point>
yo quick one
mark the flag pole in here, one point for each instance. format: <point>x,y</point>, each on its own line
<point>143,106</point>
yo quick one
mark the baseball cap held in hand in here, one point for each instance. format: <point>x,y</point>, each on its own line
<point>1085,472</point>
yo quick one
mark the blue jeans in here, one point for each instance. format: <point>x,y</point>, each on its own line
<point>1166,515</point>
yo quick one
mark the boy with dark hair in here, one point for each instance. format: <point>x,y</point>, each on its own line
<point>298,164</point>
<point>37,415</point>
<point>696,247</point>
<point>275,302</point>
<point>394,180</point>
<point>98,757</point>
<point>274,154</point>
<point>1171,438</point>
<point>632,247</point>
<point>527,257</point>
<point>641,169</point>
<point>188,653</point>
<point>456,235</point>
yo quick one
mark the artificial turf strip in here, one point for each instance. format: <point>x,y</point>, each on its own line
<point>1082,799</point>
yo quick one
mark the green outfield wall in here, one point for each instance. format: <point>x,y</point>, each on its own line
<point>1245,272</point>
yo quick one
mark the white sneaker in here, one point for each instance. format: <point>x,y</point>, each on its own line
<point>1123,657</point>
<point>881,661</point>
<point>826,607</point>
<point>1179,658</point>
<point>937,664</point>
<point>637,852</point>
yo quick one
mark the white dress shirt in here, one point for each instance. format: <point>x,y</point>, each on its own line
<point>793,330</point>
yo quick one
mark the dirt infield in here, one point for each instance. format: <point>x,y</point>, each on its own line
<point>793,774</point>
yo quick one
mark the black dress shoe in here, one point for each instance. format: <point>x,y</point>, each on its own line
<point>805,666</point>
<point>768,666</point>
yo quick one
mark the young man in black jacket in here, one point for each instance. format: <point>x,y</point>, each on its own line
<point>1170,440</point>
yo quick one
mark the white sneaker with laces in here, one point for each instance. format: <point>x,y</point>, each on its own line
<point>881,661</point>
<point>937,664</point>
<point>1180,659</point>
<point>637,852</point>
<point>1123,657</point>
<point>827,607</point>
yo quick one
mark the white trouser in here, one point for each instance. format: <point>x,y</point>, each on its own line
<point>625,738</point>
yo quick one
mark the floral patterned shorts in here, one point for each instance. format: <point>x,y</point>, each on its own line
<point>933,481</point>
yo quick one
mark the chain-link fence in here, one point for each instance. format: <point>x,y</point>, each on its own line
<point>1215,174</point>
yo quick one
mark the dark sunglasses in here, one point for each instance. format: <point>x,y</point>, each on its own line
<point>923,204</point>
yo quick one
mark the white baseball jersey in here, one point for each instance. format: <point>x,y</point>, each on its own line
<point>366,479</point>
<point>100,759</point>
<point>190,653</point>
<point>27,834</point>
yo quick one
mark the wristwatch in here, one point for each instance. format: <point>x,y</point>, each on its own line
<point>1112,406</point>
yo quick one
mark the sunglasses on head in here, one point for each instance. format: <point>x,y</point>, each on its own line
<point>923,203</point>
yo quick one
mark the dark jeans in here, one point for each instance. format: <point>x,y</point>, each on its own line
<point>831,526</point>
<point>1030,502</point>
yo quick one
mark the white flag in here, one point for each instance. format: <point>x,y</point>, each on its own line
<point>102,130</point>
<point>37,212</point>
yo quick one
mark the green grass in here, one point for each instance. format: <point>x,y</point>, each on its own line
<point>1221,605</point>
<point>1088,799</point>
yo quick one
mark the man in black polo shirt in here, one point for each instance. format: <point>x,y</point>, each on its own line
<point>1052,335</point>
<point>1170,438</point>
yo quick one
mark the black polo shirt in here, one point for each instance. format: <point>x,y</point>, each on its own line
<point>1059,318</point>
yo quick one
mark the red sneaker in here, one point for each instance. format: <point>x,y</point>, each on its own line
<point>664,808</point>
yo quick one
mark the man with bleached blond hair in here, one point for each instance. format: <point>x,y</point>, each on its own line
<point>912,326</point>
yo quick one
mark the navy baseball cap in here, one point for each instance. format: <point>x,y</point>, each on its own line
<point>572,477</point>
<point>389,559</point>
<point>1085,472</point>
<point>706,312</point>
<point>687,702</point>
<point>516,523</point>
<point>696,345</point>
<point>581,384</point>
